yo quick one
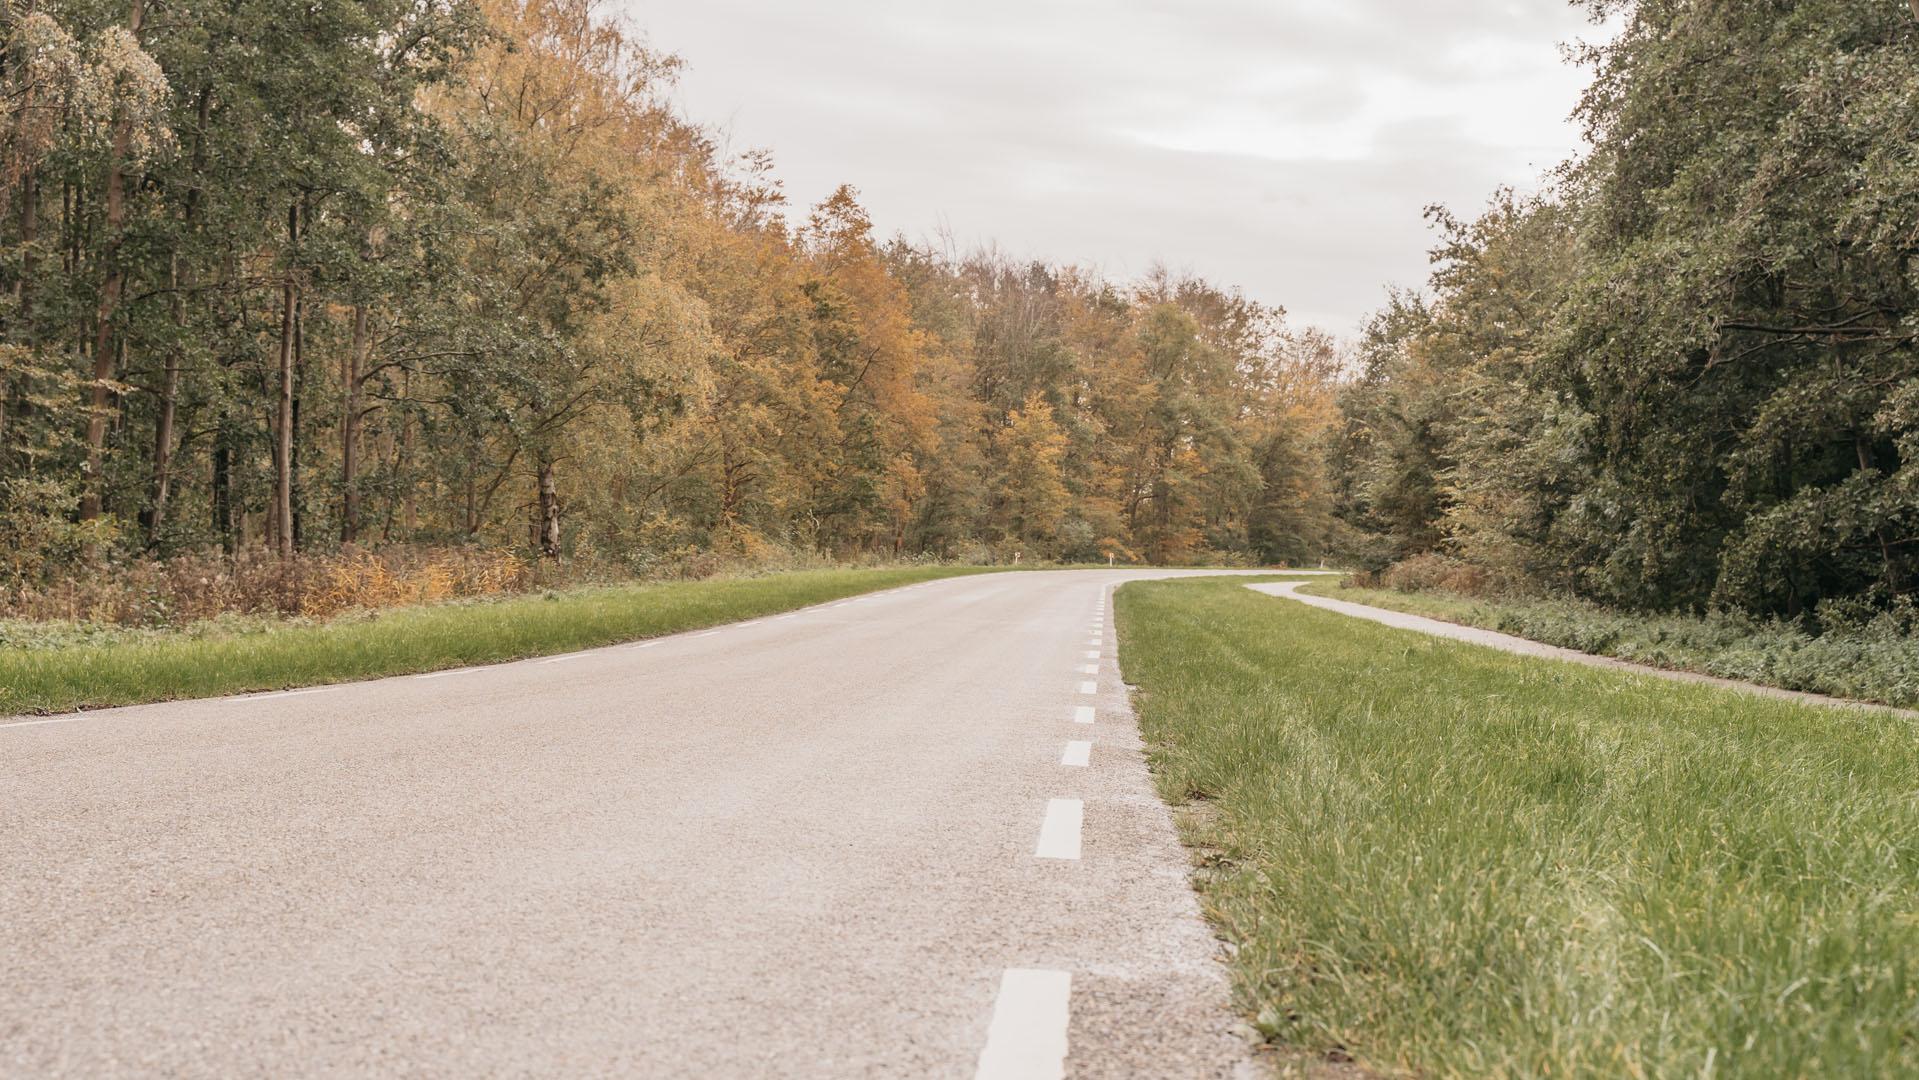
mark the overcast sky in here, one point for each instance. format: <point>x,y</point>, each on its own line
<point>1283,146</point>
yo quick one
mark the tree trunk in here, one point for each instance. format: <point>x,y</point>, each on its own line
<point>409,502</point>
<point>549,522</point>
<point>170,380</point>
<point>298,497</point>
<point>23,296</point>
<point>354,363</point>
<point>223,483</point>
<point>283,414</point>
<point>156,514</point>
<point>103,350</point>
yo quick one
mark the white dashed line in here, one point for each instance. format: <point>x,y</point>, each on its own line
<point>709,633</point>
<point>1092,654</point>
<point>1089,688</point>
<point>562,659</point>
<point>1083,714</point>
<point>449,671</point>
<point>1089,669</point>
<point>643,645</point>
<point>1079,754</point>
<point>1059,834</point>
<point>1027,1038</point>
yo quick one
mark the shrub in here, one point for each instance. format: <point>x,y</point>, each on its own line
<point>1434,572</point>
<point>199,586</point>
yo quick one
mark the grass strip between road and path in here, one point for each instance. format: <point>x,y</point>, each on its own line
<point>409,640</point>
<point>1877,662</point>
<point>1444,860</point>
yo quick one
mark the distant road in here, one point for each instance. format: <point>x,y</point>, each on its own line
<point>905,835</point>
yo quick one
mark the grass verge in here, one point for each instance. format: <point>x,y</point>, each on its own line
<point>1865,659</point>
<point>401,641</point>
<point>1444,860</point>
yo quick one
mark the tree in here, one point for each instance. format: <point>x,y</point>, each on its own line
<point>1030,481</point>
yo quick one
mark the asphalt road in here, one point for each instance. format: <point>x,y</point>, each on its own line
<point>852,841</point>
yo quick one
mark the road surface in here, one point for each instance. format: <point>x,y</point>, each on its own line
<point>872,838</point>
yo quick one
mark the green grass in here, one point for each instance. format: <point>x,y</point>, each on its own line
<point>1874,657</point>
<point>1443,860</point>
<point>163,667</point>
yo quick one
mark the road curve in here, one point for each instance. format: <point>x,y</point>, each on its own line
<point>806,846</point>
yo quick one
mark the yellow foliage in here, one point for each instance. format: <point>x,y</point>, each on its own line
<point>363,581</point>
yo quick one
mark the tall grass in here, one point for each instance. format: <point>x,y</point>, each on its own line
<point>165,666</point>
<point>1447,861</point>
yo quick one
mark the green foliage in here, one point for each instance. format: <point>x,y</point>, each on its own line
<point>1546,870</point>
<point>466,262</point>
<point>1682,377</point>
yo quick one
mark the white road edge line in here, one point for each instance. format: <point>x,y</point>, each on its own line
<point>449,671</point>
<point>1059,833</point>
<point>1089,688</point>
<point>1027,1038</point>
<point>52,720</point>
<point>289,693</point>
<point>1078,755</point>
<point>1083,714</point>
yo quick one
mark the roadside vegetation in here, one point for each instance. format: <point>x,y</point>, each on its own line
<point>1684,378</point>
<point>282,282</point>
<point>72,666</point>
<point>1441,860</point>
<point>1861,652</point>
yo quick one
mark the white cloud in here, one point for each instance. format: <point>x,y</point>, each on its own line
<point>1284,146</point>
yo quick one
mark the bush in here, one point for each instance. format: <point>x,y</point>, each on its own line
<point>1435,572</point>
<point>196,587</point>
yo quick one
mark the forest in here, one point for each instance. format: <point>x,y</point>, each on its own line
<point>1682,377</point>
<point>291,283</point>
<point>286,281</point>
